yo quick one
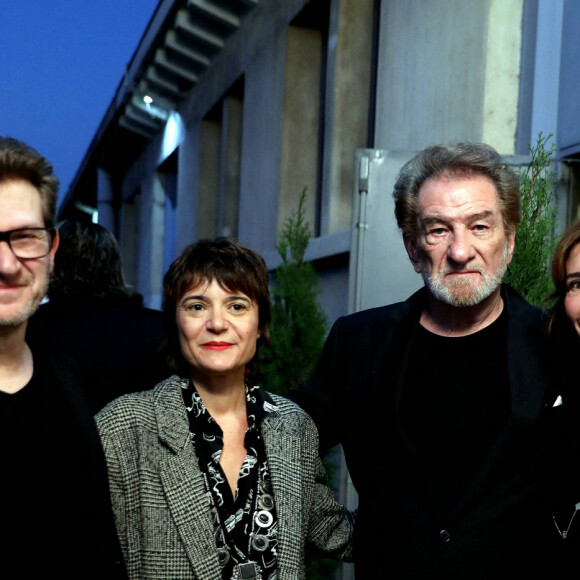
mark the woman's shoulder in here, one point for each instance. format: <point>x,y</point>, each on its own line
<point>125,412</point>
<point>283,404</point>
<point>134,409</point>
<point>289,410</point>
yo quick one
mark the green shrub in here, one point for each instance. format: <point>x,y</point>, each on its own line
<point>298,330</point>
<point>298,324</point>
<point>529,271</point>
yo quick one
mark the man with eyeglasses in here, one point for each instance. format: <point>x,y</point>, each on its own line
<point>55,516</point>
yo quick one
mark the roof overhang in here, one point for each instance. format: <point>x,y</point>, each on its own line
<point>179,45</point>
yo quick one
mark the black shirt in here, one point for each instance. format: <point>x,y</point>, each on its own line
<point>455,402</point>
<point>56,518</point>
<point>246,526</point>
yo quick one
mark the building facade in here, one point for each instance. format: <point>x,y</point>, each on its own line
<point>229,109</point>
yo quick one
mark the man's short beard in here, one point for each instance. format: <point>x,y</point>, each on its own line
<point>466,292</point>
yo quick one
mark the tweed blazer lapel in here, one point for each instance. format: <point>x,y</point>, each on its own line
<point>183,482</point>
<point>281,445</point>
<point>394,342</point>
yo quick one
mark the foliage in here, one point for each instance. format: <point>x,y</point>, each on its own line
<point>529,271</point>
<point>297,330</point>
<point>298,322</point>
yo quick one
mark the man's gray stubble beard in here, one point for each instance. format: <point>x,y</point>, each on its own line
<point>487,286</point>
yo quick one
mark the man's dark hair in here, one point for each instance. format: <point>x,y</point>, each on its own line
<point>455,160</point>
<point>87,266</point>
<point>19,161</point>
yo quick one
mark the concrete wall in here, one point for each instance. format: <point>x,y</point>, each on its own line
<point>348,105</point>
<point>568,136</point>
<point>439,70</point>
<point>262,146</point>
<point>230,161</point>
<point>431,72</point>
<point>209,171</point>
<point>448,70</point>
<point>300,122</point>
<point>502,71</point>
<point>187,187</point>
<point>105,201</point>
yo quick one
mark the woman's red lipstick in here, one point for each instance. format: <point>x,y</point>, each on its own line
<point>215,345</point>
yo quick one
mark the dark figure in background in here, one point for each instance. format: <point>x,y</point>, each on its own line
<point>440,402</point>
<point>55,517</point>
<point>94,318</point>
<point>88,268</point>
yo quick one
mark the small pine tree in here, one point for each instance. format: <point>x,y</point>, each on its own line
<point>529,271</point>
<point>298,323</point>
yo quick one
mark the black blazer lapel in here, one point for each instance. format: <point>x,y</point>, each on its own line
<point>526,356</point>
<point>388,383</point>
<point>529,384</point>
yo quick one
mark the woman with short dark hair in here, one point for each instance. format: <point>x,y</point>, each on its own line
<point>212,477</point>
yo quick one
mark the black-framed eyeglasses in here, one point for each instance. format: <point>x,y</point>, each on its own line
<point>29,243</point>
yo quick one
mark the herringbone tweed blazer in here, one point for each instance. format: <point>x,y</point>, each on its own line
<point>161,505</point>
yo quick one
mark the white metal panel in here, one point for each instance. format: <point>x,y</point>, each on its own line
<point>380,270</point>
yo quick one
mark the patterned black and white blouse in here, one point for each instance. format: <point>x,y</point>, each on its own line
<point>245,526</point>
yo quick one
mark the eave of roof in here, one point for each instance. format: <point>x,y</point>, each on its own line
<point>178,46</point>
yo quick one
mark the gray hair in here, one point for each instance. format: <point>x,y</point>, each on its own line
<point>455,160</point>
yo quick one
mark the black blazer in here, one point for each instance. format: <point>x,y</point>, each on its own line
<point>115,346</point>
<point>354,397</point>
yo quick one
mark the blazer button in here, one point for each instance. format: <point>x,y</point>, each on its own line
<point>445,536</point>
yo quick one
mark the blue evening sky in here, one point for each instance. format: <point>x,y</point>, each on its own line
<point>60,64</point>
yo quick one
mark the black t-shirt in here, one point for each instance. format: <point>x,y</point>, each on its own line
<point>55,514</point>
<point>455,402</point>
<point>23,454</point>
